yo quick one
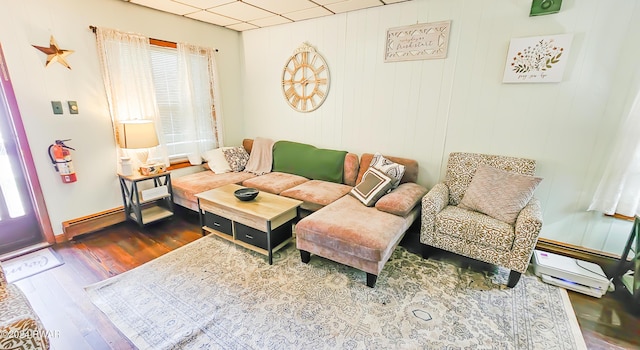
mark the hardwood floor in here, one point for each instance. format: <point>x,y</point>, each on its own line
<point>58,294</point>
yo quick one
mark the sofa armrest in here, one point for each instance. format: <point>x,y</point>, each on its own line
<point>432,203</point>
<point>527,229</point>
<point>401,200</point>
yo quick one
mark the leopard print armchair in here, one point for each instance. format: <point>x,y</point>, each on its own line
<point>20,327</point>
<point>448,226</point>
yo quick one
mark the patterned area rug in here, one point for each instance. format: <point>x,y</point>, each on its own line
<point>30,264</point>
<point>211,294</point>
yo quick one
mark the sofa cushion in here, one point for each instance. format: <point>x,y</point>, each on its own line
<point>401,200</point>
<point>466,224</point>
<point>498,193</point>
<point>275,182</point>
<point>375,184</point>
<point>237,157</point>
<point>316,194</point>
<point>351,167</point>
<point>410,167</point>
<point>308,161</point>
<point>188,186</point>
<point>361,231</point>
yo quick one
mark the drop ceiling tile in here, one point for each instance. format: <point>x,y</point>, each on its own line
<point>353,5</point>
<point>270,21</point>
<point>326,2</point>
<point>307,14</point>
<point>213,18</point>
<point>241,11</point>
<point>242,26</point>
<point>204,4</point>
<point>282,6</point>
<point>166,6</point>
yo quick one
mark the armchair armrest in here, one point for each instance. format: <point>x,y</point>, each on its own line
<point>527,229</point>
<point>432,203</point>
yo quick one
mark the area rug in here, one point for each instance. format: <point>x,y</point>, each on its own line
<point>211,294</point>
<point>30,264</point>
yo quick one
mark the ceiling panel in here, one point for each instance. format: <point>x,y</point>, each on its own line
<point>167,6</point>
<point>352,5</point>
<point>241,11</point>
<point>213,18</point>
<point>282,6</point>
<point>241,15</point>
<point>314,12</point>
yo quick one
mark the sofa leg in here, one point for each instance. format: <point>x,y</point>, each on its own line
<point>427,251</point>
<point>514,277</point>
<point>371,280</point>
<point>305,256</point>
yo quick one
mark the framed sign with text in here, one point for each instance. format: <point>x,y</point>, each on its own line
<point>417,42</point>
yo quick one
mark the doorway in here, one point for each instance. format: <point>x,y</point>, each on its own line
<point>21,212</point>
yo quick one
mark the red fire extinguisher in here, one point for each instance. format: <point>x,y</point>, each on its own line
<point>61,159</point>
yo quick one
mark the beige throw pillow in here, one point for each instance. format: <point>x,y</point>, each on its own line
<point>498,193</point>
<point>374,185</point>
<point>216,160</point>
<point>394,170</point>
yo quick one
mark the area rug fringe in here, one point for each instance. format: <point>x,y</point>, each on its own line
<point>211,294</point>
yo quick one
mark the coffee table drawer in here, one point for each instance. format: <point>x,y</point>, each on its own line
<point>218,223</point>
<point>259,239</point>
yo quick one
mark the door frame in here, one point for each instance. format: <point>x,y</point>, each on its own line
<point>26,157</point>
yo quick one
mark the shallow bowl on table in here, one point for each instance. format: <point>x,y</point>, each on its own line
<point>246,194</point>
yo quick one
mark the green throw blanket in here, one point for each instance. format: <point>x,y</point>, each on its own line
<point>308,161</point>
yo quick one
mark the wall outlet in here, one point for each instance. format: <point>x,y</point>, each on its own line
<point>57,107</point>
<point>73,107</point>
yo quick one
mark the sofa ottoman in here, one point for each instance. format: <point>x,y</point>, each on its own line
<point>364,237</point>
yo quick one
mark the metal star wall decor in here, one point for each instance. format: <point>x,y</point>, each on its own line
<point>54,53</point>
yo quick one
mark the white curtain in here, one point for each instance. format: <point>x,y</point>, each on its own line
<point>199,88</point>
<point>619,188</point>
<point>127,75</point>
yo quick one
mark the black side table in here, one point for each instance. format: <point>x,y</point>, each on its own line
<point>150,204</point>
<point>627,274</point>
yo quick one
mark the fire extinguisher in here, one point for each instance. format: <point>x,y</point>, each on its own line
<point>61,159</point>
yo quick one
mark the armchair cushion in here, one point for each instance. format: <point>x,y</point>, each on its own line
<point>499,193</point>
<point>467,225</point>
<point>401,200</point>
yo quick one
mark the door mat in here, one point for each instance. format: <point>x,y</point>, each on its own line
<point>30,264</point>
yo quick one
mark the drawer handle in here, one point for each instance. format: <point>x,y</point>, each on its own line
<point>249,236</point>
<point>216,224</point>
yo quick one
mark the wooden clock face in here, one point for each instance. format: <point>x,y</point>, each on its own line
<point>305,80</point>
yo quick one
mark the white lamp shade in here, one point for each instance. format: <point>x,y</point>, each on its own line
<point>137,134</point>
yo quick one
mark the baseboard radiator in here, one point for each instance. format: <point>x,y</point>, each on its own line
<point>92,223</point>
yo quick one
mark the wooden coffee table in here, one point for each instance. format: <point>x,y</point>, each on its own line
<point>262,224</point>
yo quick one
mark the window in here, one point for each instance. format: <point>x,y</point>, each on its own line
<point>180,130</point>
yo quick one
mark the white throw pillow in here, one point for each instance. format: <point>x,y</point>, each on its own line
<point>216,161</point>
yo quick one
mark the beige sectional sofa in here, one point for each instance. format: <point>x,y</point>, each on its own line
<point>336,225</point>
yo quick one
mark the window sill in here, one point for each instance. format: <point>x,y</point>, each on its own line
<point>179,165</point>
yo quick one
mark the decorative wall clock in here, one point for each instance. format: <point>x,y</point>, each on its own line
<point>305,79</point>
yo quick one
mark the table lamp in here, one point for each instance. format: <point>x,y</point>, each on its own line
<point>138,134</point>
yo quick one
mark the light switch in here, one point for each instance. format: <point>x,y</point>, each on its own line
<point>73,107</point>
<point>57,107</point>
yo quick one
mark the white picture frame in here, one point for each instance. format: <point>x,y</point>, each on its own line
<point>538,59</point>
<point>417,42</point>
